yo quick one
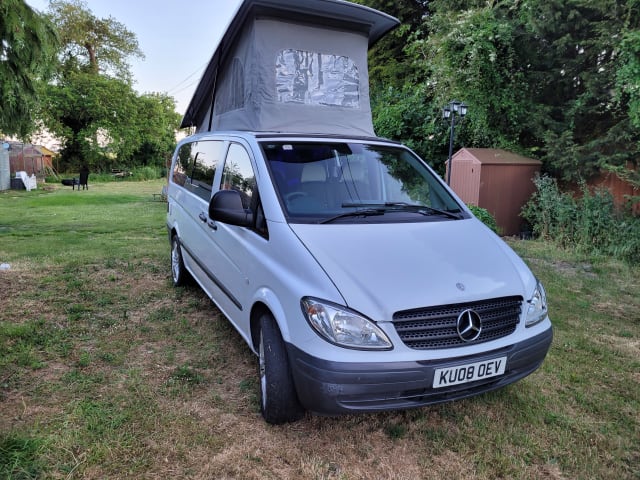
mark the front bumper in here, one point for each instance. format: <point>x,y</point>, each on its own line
<point>328,387</point>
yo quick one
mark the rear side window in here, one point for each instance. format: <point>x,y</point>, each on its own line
<point>196,166</point>
<point>182,167</point>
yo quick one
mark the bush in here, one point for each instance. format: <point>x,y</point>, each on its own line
<point>590,224</point>
<point>137,174</point>
<point>146,173</point>
<point>550,212</point>
<point>484,216</point>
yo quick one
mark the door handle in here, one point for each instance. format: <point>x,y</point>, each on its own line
<point>210,223</point>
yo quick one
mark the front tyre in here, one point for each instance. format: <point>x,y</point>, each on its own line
<point>179,274</point>
<point>278,399</point>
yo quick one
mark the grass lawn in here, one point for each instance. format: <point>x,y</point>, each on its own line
<point>107,371</point>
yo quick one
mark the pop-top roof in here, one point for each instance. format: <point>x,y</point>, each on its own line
<point>279,39</point>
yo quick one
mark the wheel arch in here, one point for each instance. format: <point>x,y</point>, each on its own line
<point>172,231</point>
<point>267,302</point>
<point>257,311</point>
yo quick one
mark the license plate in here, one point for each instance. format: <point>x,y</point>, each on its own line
<point>470,372</point>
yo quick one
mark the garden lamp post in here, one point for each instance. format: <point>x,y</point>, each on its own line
<point>452,109</point>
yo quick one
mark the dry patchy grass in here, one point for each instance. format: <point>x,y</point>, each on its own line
<point>121,412</point>
<point>110,372</point>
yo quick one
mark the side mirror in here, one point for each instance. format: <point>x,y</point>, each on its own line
<point>226,207</point>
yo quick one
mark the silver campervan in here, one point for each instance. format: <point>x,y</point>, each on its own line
<point>359,279</point>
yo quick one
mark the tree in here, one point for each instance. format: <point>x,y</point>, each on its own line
<point>92,106</point>
<point>553,79</point>
<point>401,99</point>
<point>471,55</point>
<point>407,113</point>
<point>105,124</point>
<point>156,122</point>
<point>27,46</point>
<point>389,64</point>
<point>580,87</point>
<point>91,113</point>
<point>96,45</point>
<point>628,73</point>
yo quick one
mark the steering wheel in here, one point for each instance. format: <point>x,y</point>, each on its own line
<point>292,196</point>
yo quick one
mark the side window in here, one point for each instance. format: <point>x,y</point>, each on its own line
<point>196,165</point>
<point>183,165</point>
<point>238,174</point>
<point>206,157</point>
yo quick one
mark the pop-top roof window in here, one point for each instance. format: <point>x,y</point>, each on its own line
<point>312,78</point>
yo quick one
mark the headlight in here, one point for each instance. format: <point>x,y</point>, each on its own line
<point>343,327</point>
<point>537,310</point>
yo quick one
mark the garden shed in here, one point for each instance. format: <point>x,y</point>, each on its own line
<point>33,159</point>
<point>495,179</point>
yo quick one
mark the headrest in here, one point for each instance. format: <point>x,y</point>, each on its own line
<point>313,172</point>
<point>354,170</point>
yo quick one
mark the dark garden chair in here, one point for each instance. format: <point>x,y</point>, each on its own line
<point>84,179</point>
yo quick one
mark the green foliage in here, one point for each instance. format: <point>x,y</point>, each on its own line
<point>484,216</point>
<point>472,56</point>
<point>591,224</point>
<point>400,114</point>
<point>91,113</point>
<point>628,74</point>
<point>27,45</point>
<point>556,80</point>
<point>389,64</point>
<point>568,53</point>
<point>550,212</point>
<point>155,124</point>
<point>106,124</point>
<point>146,173</point>
<point>93,107</point>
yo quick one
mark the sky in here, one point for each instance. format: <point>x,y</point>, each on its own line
<point>177,37</point>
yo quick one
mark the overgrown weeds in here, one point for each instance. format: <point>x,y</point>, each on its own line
<point>590,224</point>
<point>485,217</point>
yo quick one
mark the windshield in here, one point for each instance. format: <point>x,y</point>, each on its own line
<point>356,182</point>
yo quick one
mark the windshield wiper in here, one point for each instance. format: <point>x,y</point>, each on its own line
<point>402,206</point>
<point>365,212</point>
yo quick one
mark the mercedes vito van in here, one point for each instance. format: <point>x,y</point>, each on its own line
<point>358,278</point>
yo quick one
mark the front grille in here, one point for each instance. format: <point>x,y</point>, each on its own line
<point>436,327</point>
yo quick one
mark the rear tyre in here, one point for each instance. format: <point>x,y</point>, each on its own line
<point>278,398</point>
<point>179,274</point>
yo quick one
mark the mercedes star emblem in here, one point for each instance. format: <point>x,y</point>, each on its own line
<point>469,325</point>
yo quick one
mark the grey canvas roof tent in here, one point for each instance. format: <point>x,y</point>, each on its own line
<point>291,66</point>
